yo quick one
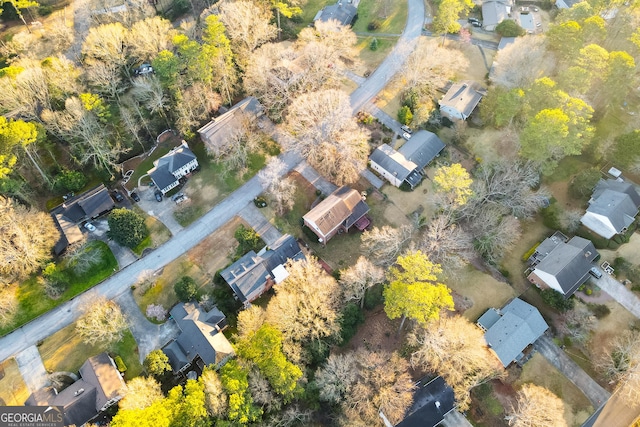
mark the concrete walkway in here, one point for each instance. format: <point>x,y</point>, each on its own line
<point>310,174</point>
<point>619,292</point>
<point>31,368</point>
<point>456,419</point>
<point>259,223</point>
<point>558,358</point>
<point>372,178</point>
<point>149,336</point>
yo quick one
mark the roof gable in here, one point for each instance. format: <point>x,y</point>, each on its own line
<point>343,13</point>
<point>462,97</point>
<point>217,132</point>
<point>392,161</point>
<point>89,204</point>
<point>101,372</point>
<point>616,201</point>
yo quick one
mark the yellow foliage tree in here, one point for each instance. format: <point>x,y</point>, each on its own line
<point>455,183</point>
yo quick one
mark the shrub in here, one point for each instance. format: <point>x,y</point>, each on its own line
<point>599,310</point>
<point>70,181</point>
<point>156,312</point>
<point>352,316</point>
<point>551,216</point>
<point>248,240</point>
<point>186,289</point>
<point>120,364</point>
<point>509,28</point>
<point>556,300</point>
<point>373,298</point>
<point>374,44</point>
<point>530,252</point>
<point>45,10</point>
<point>373,25</point>
<point>405,116</point>
<point>127,227</point>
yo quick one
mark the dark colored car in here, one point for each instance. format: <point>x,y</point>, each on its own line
<point>472,20</point>
<point>117,196</point>
<point>135,197</point>
<point>158,195</point>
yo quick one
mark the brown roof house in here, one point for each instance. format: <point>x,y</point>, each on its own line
<point>612,208</point>
<point>460,100</point>
<point>201,341</point>
<point>561,263</point>
<point>254,274</point>
<point>341,210</point>
<point>219,132</point>
<point>168,169</point>
<point>86,206</point>
<point>98,388</point>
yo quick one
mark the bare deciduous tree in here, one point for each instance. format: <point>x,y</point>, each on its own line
<point>140,393</point>
<point>455,349</point>
<point>262,392</point>
<point>82,257</point>
<point>250,320</point>
<point>149,37</point>
<point>446,243</point>
<point>101,321</point>
<point>148,90</point>
<point>280,188</point>
<point>520,63</point>
<point>106,79</point>
<point>494,234</point>
<point>622,364</point>
<point>570,219</point>
<point>579,322</point>
<point>107,43</point>
<point>61,36</point>
<point>8,304</point>
<point>26,239</point>
<point>306,306</point>
<point>293,415</point>
<point>335,378</point>
<point>215,397</point>
<point>339,39</point>
<point>383,385</point>
<point>383,245</point>
<point>536,406</point>
<point>358,278</point>
<point>327,135</point>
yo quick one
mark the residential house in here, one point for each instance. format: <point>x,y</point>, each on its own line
<point>561,263</point>
<point>494,12</point>
<point>460,100</point>
<point>512,329</point>
<point>394,167</point>
<point>344,13</point>
<point>254,274</point>
<point>612,208</point>
<point>432,401</point>
<point>566,4</point>
<point>341,210</point>
<point>99,387</point>
<point>86,206</point>
<point>219,132</point>
<point>168,169</point>
<point>422,148</point>
<point>201,341</point>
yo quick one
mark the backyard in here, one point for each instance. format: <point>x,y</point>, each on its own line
<point>65,351</point>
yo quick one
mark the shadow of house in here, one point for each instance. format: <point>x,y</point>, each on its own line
<point>460,100</point>
<point>340,12</point>
<point>612,208</point>
<point>201,341</point>
<point>512,329</point>
<point>220,131</point>
<point>341,210</point>
<point>86,206</point>
<point>98,389</point>
<point>168,169</point>
<point>561,263</point>
<point>431,402</point>
<point>254,274</point>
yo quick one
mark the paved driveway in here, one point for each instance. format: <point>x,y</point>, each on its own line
<point>259,223</point>
<point>31,368</point>
<point>558,358</point>
<point>456,419</point>
<point>619,292</point>
<point>163,211</point>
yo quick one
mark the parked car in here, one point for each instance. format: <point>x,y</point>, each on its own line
<point>407,129</point>
<point>406,136</point>
<point>117,196</point>
<point>90,226</point>
<point>477,24</point>
<point>472,20</point>
<point>595,272</point>
<point>539,24</point>
<point>181,198</point>
<point>535,9</point>
<point>158,195</point>
<point>135,197</point>
<point>143,69</point>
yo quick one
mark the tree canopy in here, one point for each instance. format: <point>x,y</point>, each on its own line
<point>127,227</point>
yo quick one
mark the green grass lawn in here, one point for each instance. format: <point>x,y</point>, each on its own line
<point>372,58</point>
<point>147,163</point>
<point>13,390</point>
<point>568,167</point>
<point>64,351</point>
<point>33,300</point>
<point>158,234</point>
<point>390,15</point>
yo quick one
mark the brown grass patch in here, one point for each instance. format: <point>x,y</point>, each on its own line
<point>214,252</point>
<point>13,390</point>
<point>377,333</point>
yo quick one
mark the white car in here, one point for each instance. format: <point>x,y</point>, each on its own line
<point>90,226</point>
<point>406,136</point>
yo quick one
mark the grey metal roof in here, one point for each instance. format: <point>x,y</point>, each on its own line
<point>521,324</point>
<point>343,13</point>
<point>392,161</point>
<point>569,263</point>
<point>422,148</point>
<point>431,402</point>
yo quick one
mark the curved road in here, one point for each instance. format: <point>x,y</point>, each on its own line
<point>113,287</point>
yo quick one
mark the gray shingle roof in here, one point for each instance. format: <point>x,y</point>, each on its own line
<point>422,148</point>
<point>521,324</point>
<point>431,402</point>
<point>462,97</point>
<point>494,12</point>
<point>343,13</point>
<point>616,201</point>
<point>392,161</point>
<point>164,171</point>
